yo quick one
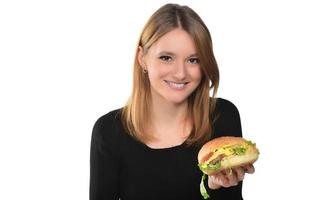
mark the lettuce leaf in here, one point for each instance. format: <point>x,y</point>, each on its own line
<point>250,143</point>
<point>215,166</point>
<point>239,150</point>
<point>205,166</point>
<point>203,190</point>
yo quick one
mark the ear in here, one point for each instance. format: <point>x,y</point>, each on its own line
<point>141,57</point>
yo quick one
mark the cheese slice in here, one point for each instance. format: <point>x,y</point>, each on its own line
<point>224,150</point>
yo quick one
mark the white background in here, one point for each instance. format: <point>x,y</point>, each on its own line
<point>65,63</point>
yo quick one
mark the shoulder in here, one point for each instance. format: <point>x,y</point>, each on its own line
<point>224,105</point>
<point>227,118</point>
<point>107,125</point>
<point>108,119</point>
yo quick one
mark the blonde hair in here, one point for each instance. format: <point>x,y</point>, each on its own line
<point>201,106</point>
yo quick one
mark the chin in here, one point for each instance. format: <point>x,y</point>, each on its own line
<point>177,100</point>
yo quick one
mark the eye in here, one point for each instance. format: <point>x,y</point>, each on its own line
<point>165,58</point>
<point>194,60</point>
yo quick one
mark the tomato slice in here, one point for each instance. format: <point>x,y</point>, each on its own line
<point>206,158</point>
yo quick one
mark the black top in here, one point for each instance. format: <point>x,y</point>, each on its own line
<point>123,168</point>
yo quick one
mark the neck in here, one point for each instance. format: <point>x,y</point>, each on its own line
<point>169,121</point>
<point>169,113</point>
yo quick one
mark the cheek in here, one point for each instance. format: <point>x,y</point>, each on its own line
<point>197,74</point>
<point>158,70</point>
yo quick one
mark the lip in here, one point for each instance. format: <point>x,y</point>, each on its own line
<point>176,85</point>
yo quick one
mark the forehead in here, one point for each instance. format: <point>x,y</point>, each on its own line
<point>176,41</point>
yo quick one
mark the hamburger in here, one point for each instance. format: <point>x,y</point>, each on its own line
<point>224,153</point>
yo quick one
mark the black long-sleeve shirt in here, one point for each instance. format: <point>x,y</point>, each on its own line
<point>123,168</point>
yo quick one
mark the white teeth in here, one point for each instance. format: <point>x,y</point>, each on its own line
<point>176,85</point>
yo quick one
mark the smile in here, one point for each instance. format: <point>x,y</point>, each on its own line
<point>175,85</point>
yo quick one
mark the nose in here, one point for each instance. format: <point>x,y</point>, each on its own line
<point>180,71</point>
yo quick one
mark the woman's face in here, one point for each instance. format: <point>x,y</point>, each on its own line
<point>173,67</point>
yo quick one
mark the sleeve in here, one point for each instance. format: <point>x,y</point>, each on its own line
<point>228,124</point>
<point>104,161</point>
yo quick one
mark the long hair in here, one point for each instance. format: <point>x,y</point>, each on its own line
<point>201,105</point>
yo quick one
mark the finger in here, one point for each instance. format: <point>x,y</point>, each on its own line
<point>218,179</point>
<point>222,180</point>
<point>249,169</point>
<point>213,183</point>
<point>232,178</point>
<point>240,173</point>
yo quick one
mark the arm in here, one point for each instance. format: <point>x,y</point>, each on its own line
<point>104,161</point>
<point>228,184</point>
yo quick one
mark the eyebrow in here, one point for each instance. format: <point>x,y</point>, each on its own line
<point>172,54</point>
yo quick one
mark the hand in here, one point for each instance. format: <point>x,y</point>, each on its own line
<point>228,178</point>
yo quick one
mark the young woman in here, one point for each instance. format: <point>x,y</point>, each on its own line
<point>148,149</point>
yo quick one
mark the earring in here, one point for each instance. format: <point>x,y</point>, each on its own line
<point>144,71</point>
